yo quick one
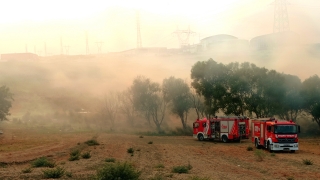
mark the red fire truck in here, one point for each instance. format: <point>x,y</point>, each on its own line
<point>275,135</point>
<point>221,128</point>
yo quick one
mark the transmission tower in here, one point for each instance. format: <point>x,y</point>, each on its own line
<point>99,45</point>
<point>139,42</point>
<point>184,36</point>
<point>67,49</point>
<point>87,44</point>
<point>281,19</point>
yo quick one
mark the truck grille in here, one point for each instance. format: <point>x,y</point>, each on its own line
<point>286,140</point>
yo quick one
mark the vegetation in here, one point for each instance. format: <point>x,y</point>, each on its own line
<point>86,155</point>
<point>42,162</point>
<point>259,154</point>
<point>53,173</point>
<point>130,150</point>
<point>110,160</point>
<point>150,142</point>
<point>307,162</point>
<point>249,148</point>
<point>27,170</point>
<point>92,142</point>
<point>115,171</point>
<point>180,169</point>
<point>5,102</point>
<point>74,155</point>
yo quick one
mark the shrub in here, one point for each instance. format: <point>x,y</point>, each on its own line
<point>74,155</point>
<point>180,169</point>
<point>307,162</point>
<point>53,173</point>
<point>92,142</point>
<point>110,160</point>
<point>42,162</point>
<point>141,136</point>
<point>260,155</point>
<point>68,174</point>
<point>199,178</point>
<point>130,150</point>
<point>86,155</point>
<point>290,178</point>
<point>159,166</point>
<point>118,171</point>
<point>27,170</point>
<point>150,142</point>
<point>249,148</point>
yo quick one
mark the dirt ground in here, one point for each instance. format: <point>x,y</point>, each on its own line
<point>209,159</point>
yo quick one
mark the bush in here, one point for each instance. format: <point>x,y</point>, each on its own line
<point>53,173</point>
<point>307,162</point>
<point>141,136</point>
<point>74,155</point>
<point>110,160</point>
<point>130,150</point>
<point>86,155</point>
<point>180,169</point>
<point>42,162</point>
<point>92,142</point>
<point>118,171</point>
<point>27,170</point>
<point>260,155</point>
<point>249,148</point>
<point>199,178</point>
<point>150,142</point>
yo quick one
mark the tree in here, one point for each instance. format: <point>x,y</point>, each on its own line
<point>5,102</point>
<point>311,97</point>
<point>209,80</point>
<point>110,108</point>
<point>198,103</point>
<point>148,100</point>
<point>177,93</point>
<point>126,106</point>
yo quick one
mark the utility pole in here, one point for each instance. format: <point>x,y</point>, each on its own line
<point>139,42</point>
<point>281,19</point>
<point>61,46</point>
<point>87,44</point>
<point>99,45</point>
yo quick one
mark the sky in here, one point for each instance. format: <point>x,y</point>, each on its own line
<point>39,26</point>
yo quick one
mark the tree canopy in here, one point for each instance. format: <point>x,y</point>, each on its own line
<point>5,102</point>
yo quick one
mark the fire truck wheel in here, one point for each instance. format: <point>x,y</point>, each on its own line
<point>256,144</point>
<point>200,137</point>
<point>224,139</point>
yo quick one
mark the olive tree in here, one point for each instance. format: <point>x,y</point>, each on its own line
<point>5,102</point>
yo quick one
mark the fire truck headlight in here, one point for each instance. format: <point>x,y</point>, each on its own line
<point>295,145</point>
<point>276,145</point>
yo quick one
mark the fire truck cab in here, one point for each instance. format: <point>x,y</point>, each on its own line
<point>275,135</point>
<point>221,128</point>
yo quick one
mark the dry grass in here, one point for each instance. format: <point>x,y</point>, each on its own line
<point>230,161</point>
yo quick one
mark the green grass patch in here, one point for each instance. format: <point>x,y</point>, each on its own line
<point>43,162</point>
<point>110,160</point>
<point>26,170</point>
<point>259,154</point>
<point>86,155</point>
<point>249,148</point>
<point>118,171</point>
<point>307,162</point>
<point>92,142</point>
<point>182,169</point>
<point>74,155</point>
<point>53,173</point>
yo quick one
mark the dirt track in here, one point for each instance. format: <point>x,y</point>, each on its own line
<point>213,160</point>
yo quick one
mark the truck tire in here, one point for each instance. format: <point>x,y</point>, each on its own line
<point>200,137</point>
<point>256,144</point>
<point>269,147</point>
<point>224,139</point>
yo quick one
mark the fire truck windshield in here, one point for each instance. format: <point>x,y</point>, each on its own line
<point>285,129</point>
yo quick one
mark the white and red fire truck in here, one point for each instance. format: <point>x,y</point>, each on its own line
<point>221,128</point>
<point>275,135</point>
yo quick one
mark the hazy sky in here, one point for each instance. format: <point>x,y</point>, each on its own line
<point>34,24</point>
